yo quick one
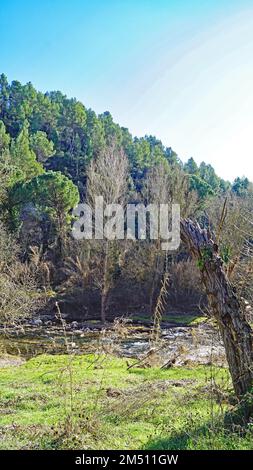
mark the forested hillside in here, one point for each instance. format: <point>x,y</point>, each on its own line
<point>53,153</point>
<point>57,133</point>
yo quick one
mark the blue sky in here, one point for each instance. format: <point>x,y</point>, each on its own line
<point>178,69</point>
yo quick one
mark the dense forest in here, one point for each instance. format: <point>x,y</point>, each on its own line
<point>55,152</point>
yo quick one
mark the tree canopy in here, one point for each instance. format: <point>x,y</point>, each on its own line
<point>58,133</point>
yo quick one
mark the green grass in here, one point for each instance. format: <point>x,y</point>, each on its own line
<point>110,407</point>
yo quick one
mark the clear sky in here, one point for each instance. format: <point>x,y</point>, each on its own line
<point>178,69</point>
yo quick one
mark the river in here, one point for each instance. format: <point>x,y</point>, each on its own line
<point>178,345</point>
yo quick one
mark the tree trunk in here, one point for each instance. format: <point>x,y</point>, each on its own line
<point>225,305</point>
<point>104,304</point>
<point>105,285</point>
<point>156,282</point>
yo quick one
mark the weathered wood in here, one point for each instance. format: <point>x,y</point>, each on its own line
<point>227,308</point>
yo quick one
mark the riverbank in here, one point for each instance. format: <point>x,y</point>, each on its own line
<point>102,402</point>
<point>86,386</point>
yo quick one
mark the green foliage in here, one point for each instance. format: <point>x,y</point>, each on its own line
<point>94,135</point>
<point>204,179</point>
<point>224,186</point>
<point>205,256</point>
<point>241,186</point>
<point>202,188</point>
<point>51,132</point>
<point>112,131</point>
<point>208,174</point>
<point>4,96</point>
<point>17,103</point>
<point>42,147</point>
<point>64,130</point>
<point>51,192</point>
<point>9,171</point>
<point>191,167</point>
<point>225,253</point>
<point>23,157</point>
<point>4,138</point>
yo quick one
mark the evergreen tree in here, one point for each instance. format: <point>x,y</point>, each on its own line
<point>42,147</point>
<point>23,157</point>
<point>191,167</point>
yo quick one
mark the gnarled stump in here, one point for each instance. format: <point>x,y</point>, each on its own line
<point>226,306</point>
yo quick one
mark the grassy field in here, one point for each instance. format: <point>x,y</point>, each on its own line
<point>97,402</point>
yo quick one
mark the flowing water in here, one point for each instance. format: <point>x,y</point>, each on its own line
<point>180,345</point>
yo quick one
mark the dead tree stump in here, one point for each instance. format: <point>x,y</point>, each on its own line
<point>227,308</point>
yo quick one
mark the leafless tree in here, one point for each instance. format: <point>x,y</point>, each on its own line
<point>19,293</point>
<point>166,185</point>
<point>107,176</point>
